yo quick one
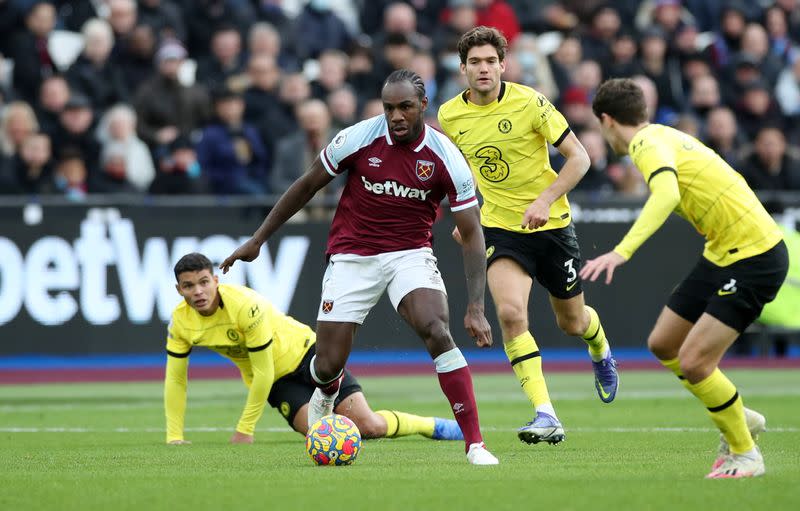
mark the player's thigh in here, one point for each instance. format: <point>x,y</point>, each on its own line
<point>356,408</point>
<point>351,286</point>
<point>668,334</point>
<point>290,395</point>
<point>705,344</point>
<point>558,263</point>
<point>409,270</point>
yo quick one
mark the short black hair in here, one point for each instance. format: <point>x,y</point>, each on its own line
<point>193,262</point>
<point>623,100</point>
<point>406,75</point>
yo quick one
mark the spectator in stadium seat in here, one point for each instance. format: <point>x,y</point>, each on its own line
<point>230,151</point>
<point>271,12</point>
<point>660,67</point>
<point>137,58</point>
<point>427,14</point>
<point>565,60</point>
<point>459,17</point>
<point>75,135</point>
<point>203,17</point>
<point>603,29</point>
<point>755,43</point>
<point>757,107</point>
<point>116,133</point>
<point>343,106</point>
<point>792,10</point>
<point>704,95</point>
<point>70,177</point>
<point>53,95</point>
<point>577,109</point>
<point>294,89</point>
<point>28,49</point>
<point>122,16</point>
<point>770,166</point>
<point>262,108</point>
<point>166,108</point>
<point>727,41</point>
<point>397,53</point>
<point>722,134</point>
<point>33,166</point>
<point>776,21</point>
<point>596,179</point>
<point>225,67</point>
<point>371,108</point>
<point>332,73</point>
<point>318,28</point>
<point>787,90</point>
<point>265,39</point>
<point>500,15</point>
<point>424,65</point>
<point>94,74</point>
<point>399,19</point>
<point>534,67</point>
<point>297,151</point>
<point>165,18</point>
<point>17,122</point>
<point>361,74</point>
<point>178,171</point>
<point>623,61</point>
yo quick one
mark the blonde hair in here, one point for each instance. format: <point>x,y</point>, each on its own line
<point>15,108</point>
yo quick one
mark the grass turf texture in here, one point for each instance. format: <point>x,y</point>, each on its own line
<point>101,446</point>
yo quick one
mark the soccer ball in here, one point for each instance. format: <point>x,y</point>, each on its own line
<point>333,440</point>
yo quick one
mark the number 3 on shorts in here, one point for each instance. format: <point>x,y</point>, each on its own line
<point>572,275</point>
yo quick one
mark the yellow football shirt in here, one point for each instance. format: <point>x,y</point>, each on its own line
<point>714,198</point>
<point>264,343</point>
<point>505,143</point>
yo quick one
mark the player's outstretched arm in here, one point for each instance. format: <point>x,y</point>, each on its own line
<point>664,198</point>
<point>538,213</point>
<point>473,246</point>
<point>292,200</point>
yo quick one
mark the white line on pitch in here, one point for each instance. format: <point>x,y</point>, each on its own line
<point>215,429</point>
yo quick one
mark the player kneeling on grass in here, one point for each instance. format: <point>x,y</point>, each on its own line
<point>273,352</point>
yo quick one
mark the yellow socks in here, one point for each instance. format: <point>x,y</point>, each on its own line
<point>674,365</point>
<point>595,336</point>
<point>726,409</point>
<point>404,424</point>
<point>523,353</point>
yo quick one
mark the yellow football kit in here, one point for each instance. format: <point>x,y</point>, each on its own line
<point>505,143</point>
<point>714,198</point>
<point>264,343</point>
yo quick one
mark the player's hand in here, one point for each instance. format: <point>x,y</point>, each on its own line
<point>537,214</point>
<point>179,442</point>
<point>247,252</point>
<point>241,438</point>
<point>606,262</point>
<point>478,327</point>
<point>457,236</point>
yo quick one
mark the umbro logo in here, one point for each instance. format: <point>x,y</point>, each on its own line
<point>375,161</point>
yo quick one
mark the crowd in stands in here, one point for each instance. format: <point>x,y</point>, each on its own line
<point>239,96</point>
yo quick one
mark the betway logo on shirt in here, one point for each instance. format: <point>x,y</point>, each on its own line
<point>389,187</point>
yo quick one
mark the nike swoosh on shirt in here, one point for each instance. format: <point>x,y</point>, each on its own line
<point>725,293</point>
<point>462,132</point>
<point>569,287</point>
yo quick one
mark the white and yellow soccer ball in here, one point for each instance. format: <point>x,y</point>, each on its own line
<point>333,440</point>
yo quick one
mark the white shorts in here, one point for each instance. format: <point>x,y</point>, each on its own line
<point>353,284</point>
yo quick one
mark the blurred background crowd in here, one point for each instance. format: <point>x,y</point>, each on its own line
<point>236,97</point>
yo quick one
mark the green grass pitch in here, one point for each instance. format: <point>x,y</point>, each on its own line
<point>100,446</point>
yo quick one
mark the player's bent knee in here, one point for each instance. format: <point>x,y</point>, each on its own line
<point>695,368</point>
<point>571,325</point>
<point>661,348</point>
<point>512,315</point>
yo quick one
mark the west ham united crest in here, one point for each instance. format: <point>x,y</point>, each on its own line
<point>424,169</point>
<point>327,306</point>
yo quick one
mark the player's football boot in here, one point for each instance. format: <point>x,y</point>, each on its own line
<point>479,455</point>
<point>756,423</point>
<point>446,429</point>
<point>737,466</point>
<point>320,405</point>
<point>543,428</point>
<point>606,379</point>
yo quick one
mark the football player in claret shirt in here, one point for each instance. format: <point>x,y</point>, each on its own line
<point>503,129</point>
<point>398,170</point>
<point>743,264</point>
<point>273,353</point>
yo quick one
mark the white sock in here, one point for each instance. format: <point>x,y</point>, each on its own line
<point>548,409</point>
